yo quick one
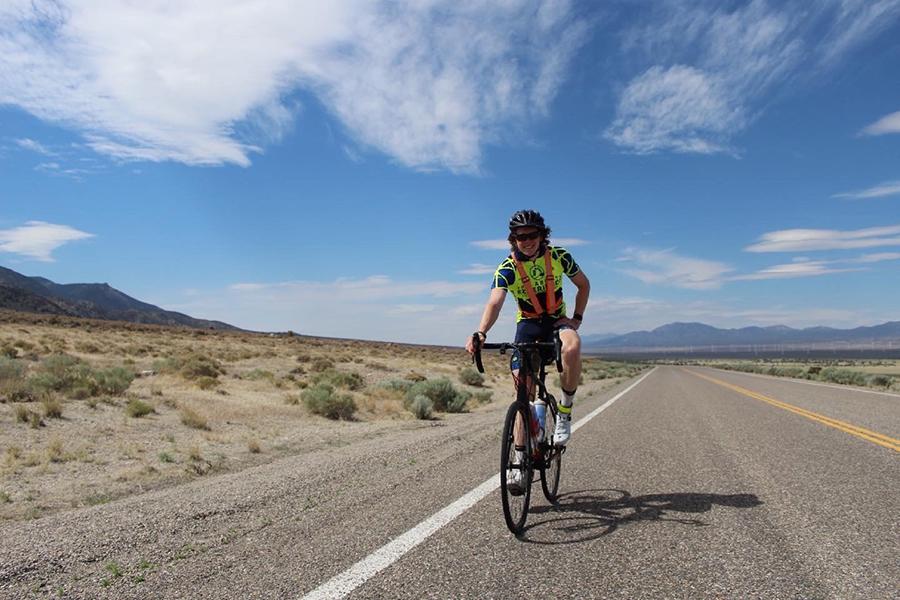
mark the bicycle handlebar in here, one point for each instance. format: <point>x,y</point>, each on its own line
<point>556,344</point>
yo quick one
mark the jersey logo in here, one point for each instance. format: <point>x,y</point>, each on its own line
<point>536,272</point>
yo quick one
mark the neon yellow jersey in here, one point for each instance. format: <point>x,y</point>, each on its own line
<point>562,263</point>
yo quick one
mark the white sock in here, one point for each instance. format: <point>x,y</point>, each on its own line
<point>568,399</point>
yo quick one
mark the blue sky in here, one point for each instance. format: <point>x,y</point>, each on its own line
<point>349,170</point>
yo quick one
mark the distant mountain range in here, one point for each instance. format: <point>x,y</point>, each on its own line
<point>90,300</point>
<point>683,335</point>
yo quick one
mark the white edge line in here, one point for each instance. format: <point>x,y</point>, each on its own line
<point>846,388</point>
<point>343,583</point>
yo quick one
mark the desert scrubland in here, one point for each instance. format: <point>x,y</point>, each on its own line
<point>878,374</point>
<point>91,411</point>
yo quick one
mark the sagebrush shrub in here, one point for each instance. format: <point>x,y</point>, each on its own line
<point>198,365</point>
<point>113,381</point>
<point>190,366</point>
<point>884,381</point>
<point>321,364</point>
<point>138,408</point>
<point>470,376</point>
<point>483,397</point>
<point>458,404</point>
<point>350,381</point>
<point>422,407</point>
<point>398,385</point>
<point>61,373</point>
<point>843,376</point>
<point>321,400</point>
<point>442,394</point>
<point>11,369</point>
<point>13,385</point>
<point>257,374</point>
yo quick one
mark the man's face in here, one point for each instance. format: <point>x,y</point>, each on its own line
<point>528,240</point>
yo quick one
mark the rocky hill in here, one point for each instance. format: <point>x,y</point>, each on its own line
<point>92,300</point>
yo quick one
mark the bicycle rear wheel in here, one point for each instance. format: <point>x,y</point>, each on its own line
<point>551,465</point>
<point>515,498</point>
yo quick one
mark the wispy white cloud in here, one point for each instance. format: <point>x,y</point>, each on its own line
<point>428,83</point>
<point>411,309</point>
<point>793,270</point>
<point>478,269</point>
<point>888,188</point>
<point>853,22</point>
<point>886,124</point>
<point>664,267</point>
<point>491,244</point>
<point>802,266</point>
<point>467,310</point>
<point>874,258</point>
<point>34,146</point>
<point>55,168</point>
<point>708,66</point>
<point>569,242</point>
<point>679,108</point>
<point>372,288</point>
<point>38,240</point>
<point>504,244</point>
<point>805,240</point>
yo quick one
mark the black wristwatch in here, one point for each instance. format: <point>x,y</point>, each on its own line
<point>577,316</point>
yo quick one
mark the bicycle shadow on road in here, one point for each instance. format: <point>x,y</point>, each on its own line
<point>590,514</point>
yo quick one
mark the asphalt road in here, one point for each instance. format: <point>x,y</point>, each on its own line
<point>694,484</point>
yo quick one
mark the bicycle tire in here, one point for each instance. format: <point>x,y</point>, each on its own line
<point>551,463</point>
<point>515,507</point>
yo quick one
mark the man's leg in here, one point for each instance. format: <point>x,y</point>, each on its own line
<point>519,431</point>
<point>569,378</point>
<point>571,359</point>
<point>514,481</point>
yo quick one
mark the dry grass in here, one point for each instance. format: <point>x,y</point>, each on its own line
<point>193,419</point>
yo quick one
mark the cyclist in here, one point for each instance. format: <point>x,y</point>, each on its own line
<point>531,265</point>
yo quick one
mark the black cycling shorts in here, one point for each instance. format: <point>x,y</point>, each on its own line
<point>535,330</point>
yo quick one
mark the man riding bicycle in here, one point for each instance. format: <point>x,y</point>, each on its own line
<point>533,273</point>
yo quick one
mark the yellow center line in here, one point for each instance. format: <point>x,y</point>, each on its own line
<point>860,432</point>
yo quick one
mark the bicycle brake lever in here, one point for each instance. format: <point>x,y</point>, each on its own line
<point>476,356</point>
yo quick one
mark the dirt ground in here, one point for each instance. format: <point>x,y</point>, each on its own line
<point>249,411</point>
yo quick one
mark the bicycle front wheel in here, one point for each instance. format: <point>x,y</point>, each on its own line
<point>552,463</point>
<point>516,468</point>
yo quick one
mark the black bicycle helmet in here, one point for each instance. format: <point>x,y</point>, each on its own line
<point>527,218</point>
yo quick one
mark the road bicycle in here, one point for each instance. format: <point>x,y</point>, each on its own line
<point>536,451</point>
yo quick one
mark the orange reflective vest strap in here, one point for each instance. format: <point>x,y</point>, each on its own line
<point>549,288</point>
<point>549,282</point>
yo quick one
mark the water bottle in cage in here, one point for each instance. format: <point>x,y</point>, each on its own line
<point>539,411</point>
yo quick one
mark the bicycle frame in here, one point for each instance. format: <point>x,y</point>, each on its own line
<point>520,452</point>
<point>534,366</point>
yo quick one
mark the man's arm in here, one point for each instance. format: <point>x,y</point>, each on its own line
<point>581,298</point>
<point>584,290</point>
<point>491,312</point>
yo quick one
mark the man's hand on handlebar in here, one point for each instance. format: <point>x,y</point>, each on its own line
<point>472,339</point>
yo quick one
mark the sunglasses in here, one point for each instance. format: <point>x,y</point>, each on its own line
<point>524,237</point>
